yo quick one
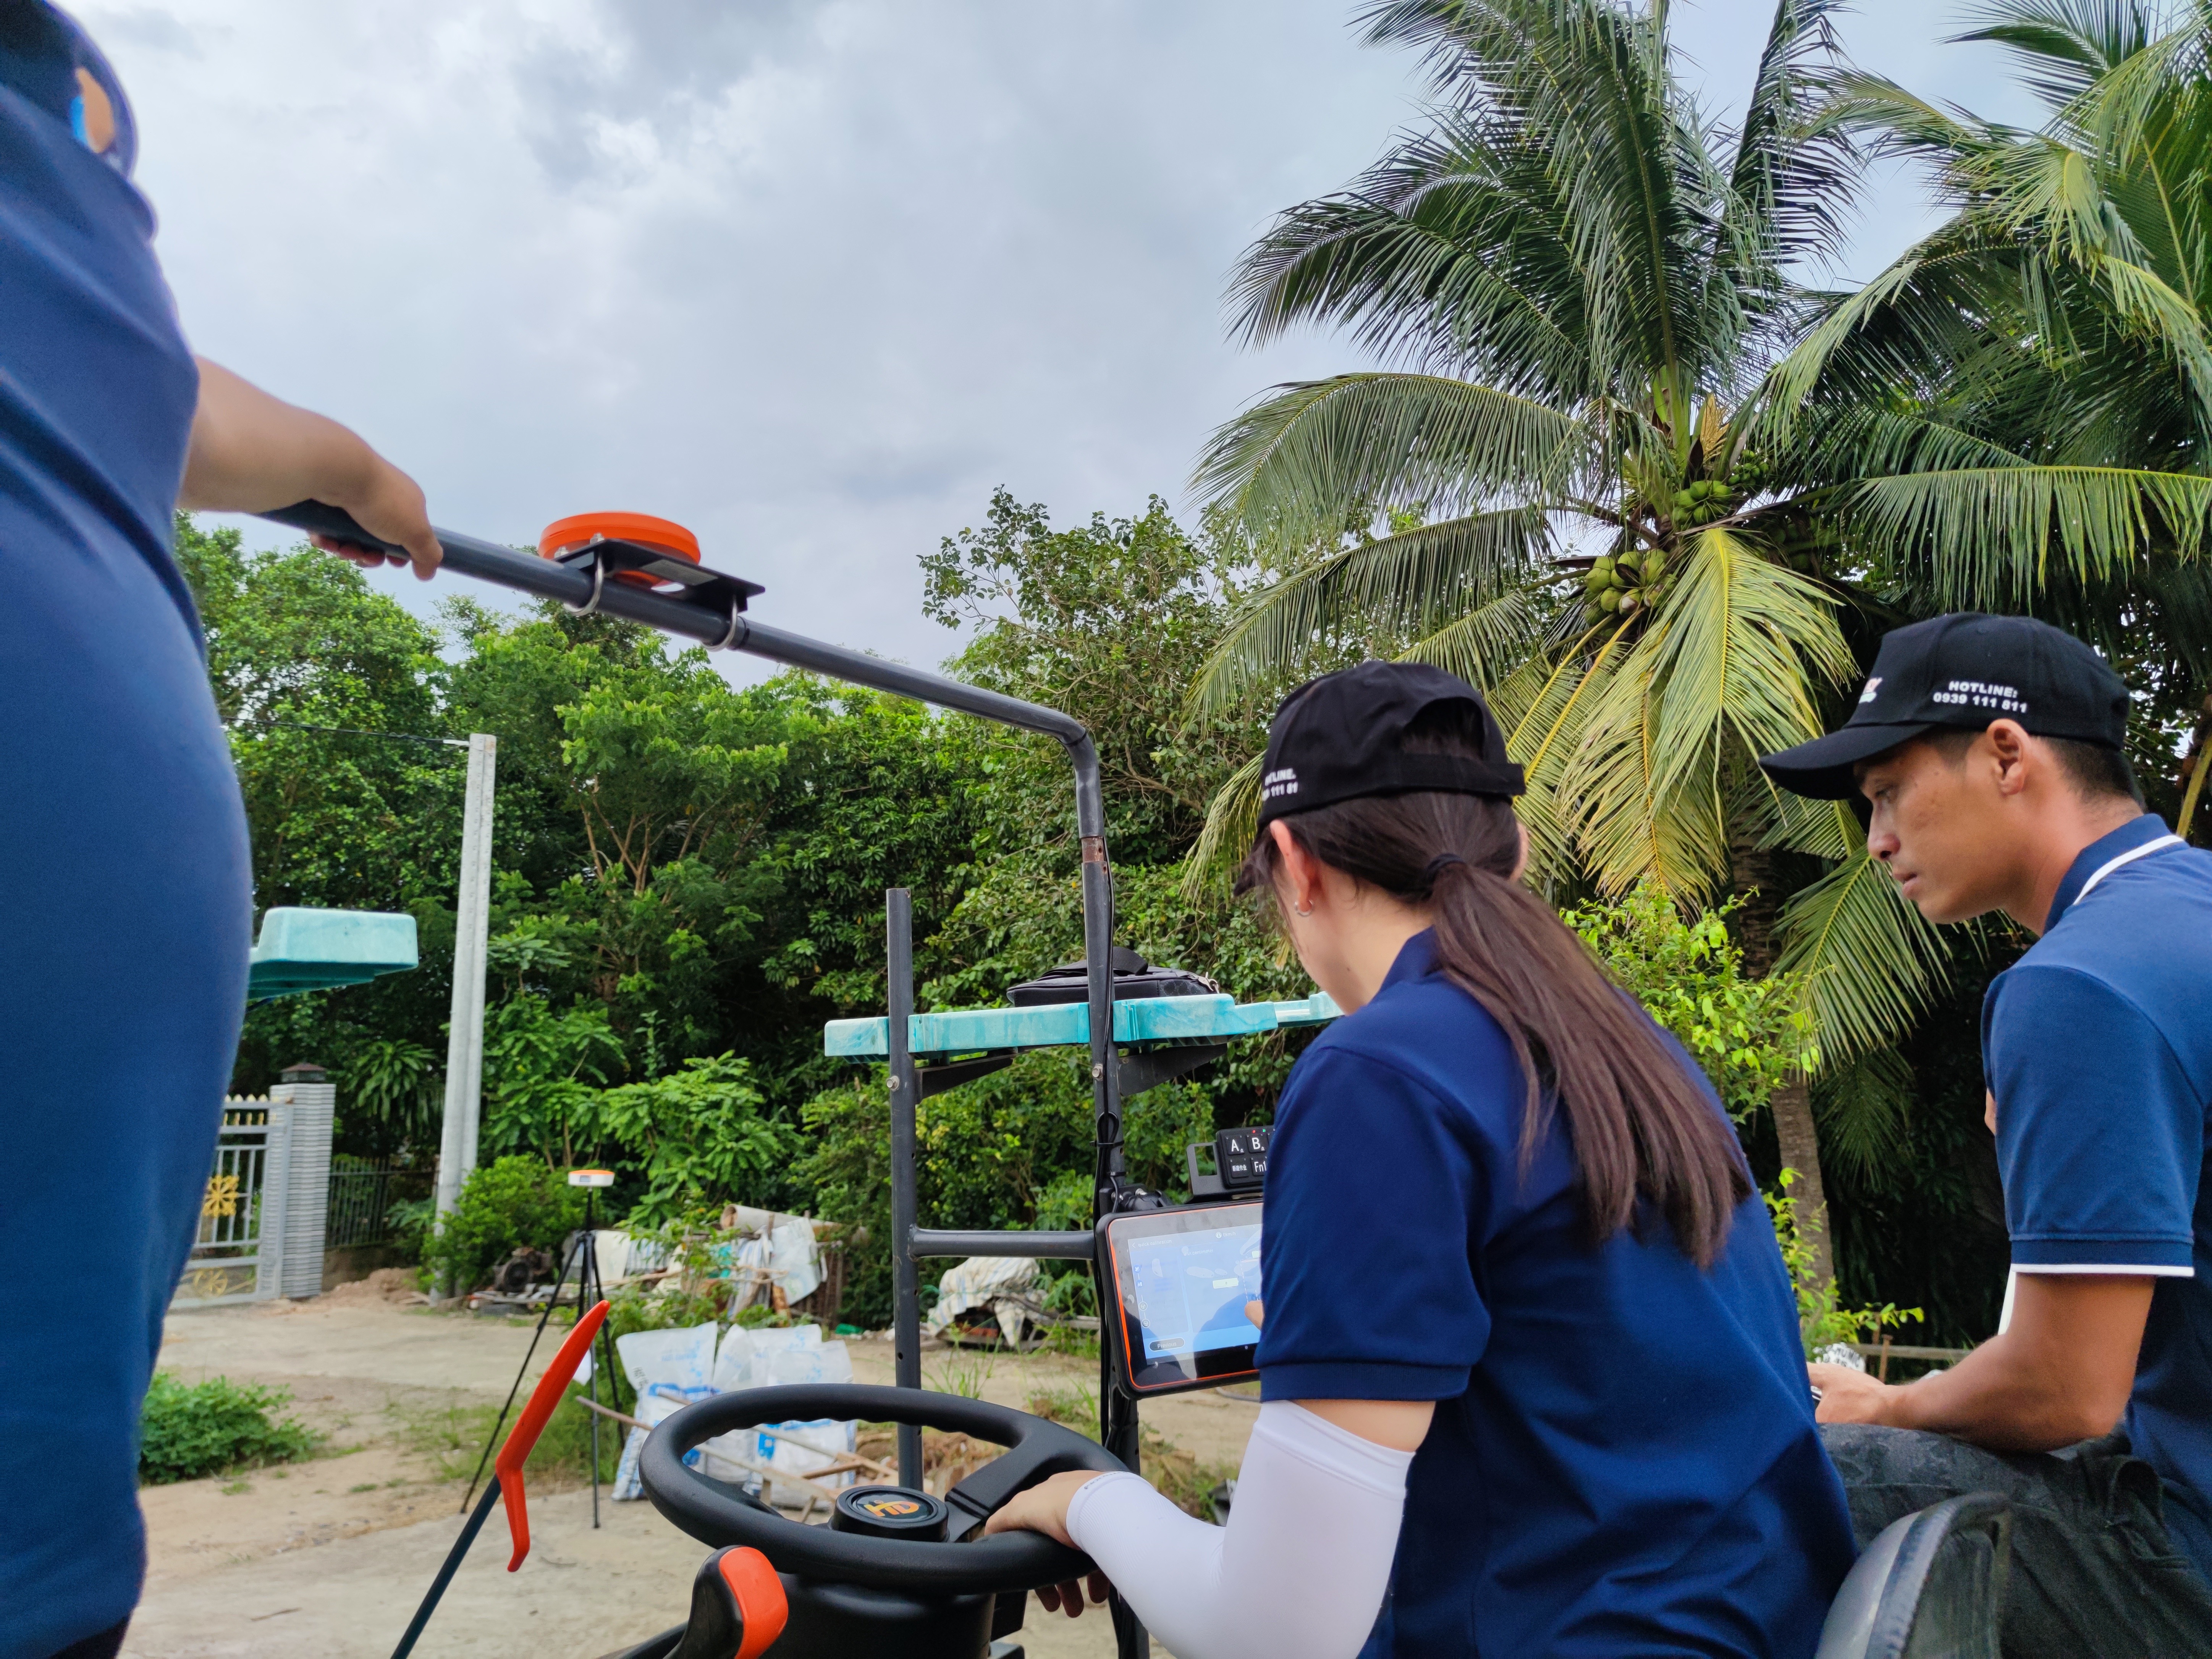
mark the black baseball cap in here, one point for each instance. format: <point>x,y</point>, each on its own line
<point>1336,739</point>
<point>1961,672</point>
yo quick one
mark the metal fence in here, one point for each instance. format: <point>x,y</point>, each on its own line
<point>360,1201</point>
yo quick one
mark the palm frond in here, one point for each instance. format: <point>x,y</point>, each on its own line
<point>1232,821</point>
<point>1319,451</point>
<point>1489,643</point>
<point>1543,707</point>
<point>1728,668</point>
<point>1585,83</point>
<point>1450,253</point>
<point>1375,594</point>
<point>1624,827</point>
<point>1873,964</point>
<point>1864,1109</point>
<point>1987,535</point>
<point>1795,174</point>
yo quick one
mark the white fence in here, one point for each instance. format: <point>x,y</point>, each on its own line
<point>267,1202</point>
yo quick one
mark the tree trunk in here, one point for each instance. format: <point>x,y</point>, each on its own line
<point>1801,1151</point>
<point>1755,884</point>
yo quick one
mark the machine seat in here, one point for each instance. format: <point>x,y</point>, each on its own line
<point>1929,1587</point>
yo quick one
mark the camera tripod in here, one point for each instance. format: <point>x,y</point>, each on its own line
<point>584,1258</point>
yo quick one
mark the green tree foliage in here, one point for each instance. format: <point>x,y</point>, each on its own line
<point>1751,1037</point>
<point>700,1136</point>
<point>689,881</point>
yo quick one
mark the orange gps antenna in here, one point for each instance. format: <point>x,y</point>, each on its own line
<point>616,537</point>
<point>507,1478</point>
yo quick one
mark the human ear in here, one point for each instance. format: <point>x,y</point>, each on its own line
<point>1521,858</point>
<point>1297,873</point>
<point>2007,747</point>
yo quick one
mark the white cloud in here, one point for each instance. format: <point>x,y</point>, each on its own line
<point>811,278</point>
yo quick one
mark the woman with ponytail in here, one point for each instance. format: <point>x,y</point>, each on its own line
<point>1529,1356</point>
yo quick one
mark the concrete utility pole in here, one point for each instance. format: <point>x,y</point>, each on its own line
<point>457,1148</point>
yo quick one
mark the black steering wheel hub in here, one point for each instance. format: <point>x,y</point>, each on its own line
<point>891,1512</point>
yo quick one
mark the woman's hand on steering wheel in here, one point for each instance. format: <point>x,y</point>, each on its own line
<point>1044,1508</point>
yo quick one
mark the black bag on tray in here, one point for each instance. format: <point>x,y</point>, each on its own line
<point>1134,977</point>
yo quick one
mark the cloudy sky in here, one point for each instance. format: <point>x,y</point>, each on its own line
<point>810,278</point>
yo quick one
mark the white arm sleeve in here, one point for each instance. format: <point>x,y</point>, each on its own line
<point>1300,1571</point>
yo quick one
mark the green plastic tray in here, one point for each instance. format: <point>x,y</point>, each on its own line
<point>301,951</point>
<point>1146,1019</point>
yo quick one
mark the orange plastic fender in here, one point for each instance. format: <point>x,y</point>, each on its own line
<point>507,1466</point>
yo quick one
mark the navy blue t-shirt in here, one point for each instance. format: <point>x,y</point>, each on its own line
<point>127,916</point>
<point>1624,1458</point>
<point>2098,1046</point>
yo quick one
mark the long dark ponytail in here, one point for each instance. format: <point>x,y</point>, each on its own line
<point>1640,1128</point>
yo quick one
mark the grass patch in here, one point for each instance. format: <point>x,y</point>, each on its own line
<point>188,1431</point>
<point>451,1436</point>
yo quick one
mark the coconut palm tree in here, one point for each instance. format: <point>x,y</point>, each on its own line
<point>2033,382</point>
<point>1619,500</point>
<point>1579,281</point>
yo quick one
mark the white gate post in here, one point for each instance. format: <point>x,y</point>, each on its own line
<point>276,1195</point>
<point>306,1178</point>
<point>457,1149</point>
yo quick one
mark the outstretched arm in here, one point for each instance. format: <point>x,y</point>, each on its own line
<point>1300,1571</point>
<point>251,452</point>
<point>2061,1372</point>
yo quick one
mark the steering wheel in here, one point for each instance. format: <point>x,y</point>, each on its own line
<point>716,1514</point>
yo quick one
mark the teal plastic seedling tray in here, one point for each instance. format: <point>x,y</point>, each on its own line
<point>301,951</point>
<point>1146,1019</point>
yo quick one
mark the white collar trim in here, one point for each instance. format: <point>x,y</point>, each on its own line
<point>2127,857</point>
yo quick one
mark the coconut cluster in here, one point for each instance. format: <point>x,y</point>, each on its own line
<point>1702,502</point>
<point>1622,584</point>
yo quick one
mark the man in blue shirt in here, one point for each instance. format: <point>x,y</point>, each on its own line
<point>1990,749</point>
<point>127,914</point>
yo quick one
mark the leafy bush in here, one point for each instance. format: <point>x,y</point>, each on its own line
<point>1821,1319</point>
<point>1750,1034</point>
<point>514,1203</point>
<point>189,1430</point>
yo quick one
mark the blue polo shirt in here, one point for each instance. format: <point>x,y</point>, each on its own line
<point>2098,1046</point>
<point>1624,1458</point>
<point>127,920</point>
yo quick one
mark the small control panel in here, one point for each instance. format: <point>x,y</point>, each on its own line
<point>1240,1163</point>
<point>1241,1155</point>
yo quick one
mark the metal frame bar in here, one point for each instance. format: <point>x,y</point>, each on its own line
<point>725,627</point>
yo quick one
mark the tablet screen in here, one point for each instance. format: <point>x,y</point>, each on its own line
<point>1185,1280</point>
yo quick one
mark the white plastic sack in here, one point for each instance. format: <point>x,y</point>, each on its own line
<point>781,1252</point>
<point>611,1246</point>
<point>735,1366</point>
<point>986,1281</point>
<point>669,1369</point>
<point>770,1359</point>
<point>795,1448</point>
<point>684,1357</point>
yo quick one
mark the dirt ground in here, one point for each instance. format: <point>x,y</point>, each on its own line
<point>330,1556</point>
